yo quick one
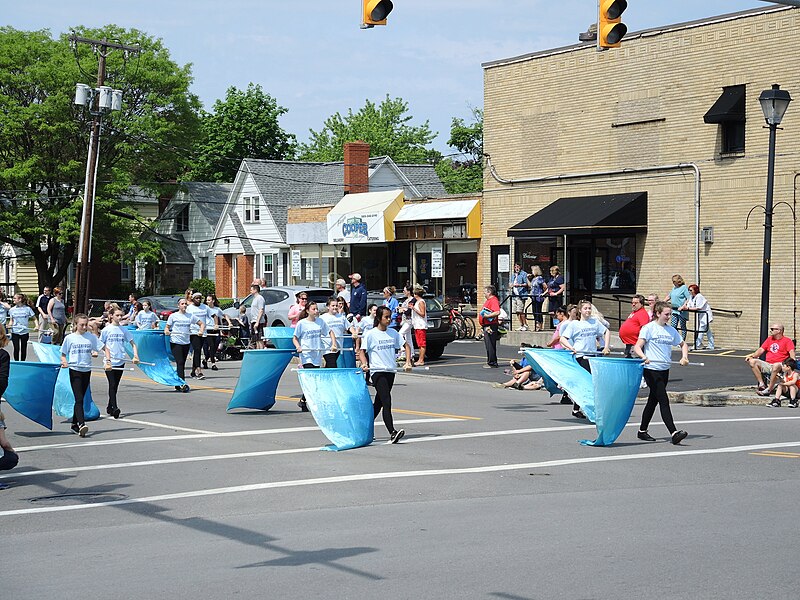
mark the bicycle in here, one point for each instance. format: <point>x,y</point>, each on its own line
<point>463,327</point>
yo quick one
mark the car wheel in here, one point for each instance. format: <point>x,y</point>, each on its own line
<point>434,352</point>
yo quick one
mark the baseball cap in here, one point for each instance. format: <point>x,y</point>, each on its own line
<point>197,295</point>
<point>355,276</point>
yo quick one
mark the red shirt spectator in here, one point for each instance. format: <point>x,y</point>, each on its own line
<point>629,330</point>
<point>777,350</point>
<point>491,305</point>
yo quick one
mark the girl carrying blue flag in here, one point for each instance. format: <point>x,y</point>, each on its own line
<point>381,344</point>
<point>337,324</point>
<point>146,318</point>
<point>19,318</point>
<point>178,329</point>
<point>307,340</point>
<point>76,355</point>
<point>114,339</point>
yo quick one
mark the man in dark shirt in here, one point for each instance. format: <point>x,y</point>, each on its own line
<point>358,297</point>
<point>41,309</point>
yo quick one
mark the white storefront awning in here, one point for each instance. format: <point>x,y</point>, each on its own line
<point>364,218</point>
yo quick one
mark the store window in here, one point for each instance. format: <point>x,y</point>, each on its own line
<point>615,264</point>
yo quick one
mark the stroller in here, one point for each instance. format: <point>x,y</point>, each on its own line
<point>233,340</point>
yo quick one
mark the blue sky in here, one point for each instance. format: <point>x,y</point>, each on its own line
<point>312,56</point>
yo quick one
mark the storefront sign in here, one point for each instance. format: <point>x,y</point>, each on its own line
<point>356,229</point>
<point>296,269</point>
<point>436,262</point>
<point>503,263</point>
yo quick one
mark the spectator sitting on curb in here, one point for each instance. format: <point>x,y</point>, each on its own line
<point>788,385</point>
<point>522,377</point>
<point>777,348</point>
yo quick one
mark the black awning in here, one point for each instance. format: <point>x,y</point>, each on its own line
<point>587,215</point>
<point>728,107</point>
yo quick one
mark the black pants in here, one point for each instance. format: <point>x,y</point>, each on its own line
<point>584,362</point>
<point>79,382</point>
<point>330,359</point>
<point>180,352</point>
<point>210,345</point>
<point>657,383</point>
<point>383,383</point>
<point>20,341</point>
<point>113,385</point>
<point>197,349</point>
<point>536,308</point>
<point>490,336</point>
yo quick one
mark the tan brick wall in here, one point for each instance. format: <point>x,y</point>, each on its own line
<point>571,113</point>
<point>244,274</point>
<point>308,214</point>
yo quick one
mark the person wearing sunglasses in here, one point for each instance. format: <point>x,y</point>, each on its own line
<point>296,309</point>
<point>775,349</point>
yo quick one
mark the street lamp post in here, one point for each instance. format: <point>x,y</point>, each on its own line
<point>774,103</point>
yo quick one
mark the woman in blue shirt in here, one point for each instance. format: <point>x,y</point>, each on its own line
<point>76,355</point>
<point>678,296</point>
<point>390,302</point>
<point>178,329</point>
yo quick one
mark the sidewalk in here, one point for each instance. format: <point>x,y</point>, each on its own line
<point>731,396</point>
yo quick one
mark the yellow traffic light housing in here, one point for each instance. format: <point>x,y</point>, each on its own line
<point>375,12</point>
<point>610,28</point>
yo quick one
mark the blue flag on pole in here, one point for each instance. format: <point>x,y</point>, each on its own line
<point>31,388</point>
<point>340,404</point>
<point>150,344</point>
<point>347,359</point>
<point>64,399</point>
<point>281,337</point>
<point>259,377</point>
<point>606,396</point>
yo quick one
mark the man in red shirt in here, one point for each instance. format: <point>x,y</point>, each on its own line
<point>488,318</point>
<point>629,330</point>
<point>778,348</point>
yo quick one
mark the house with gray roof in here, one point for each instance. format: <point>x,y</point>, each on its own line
<point>250,240</point>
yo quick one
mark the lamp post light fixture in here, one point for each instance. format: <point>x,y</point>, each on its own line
<point>99,101</point>
<point>774,103</point>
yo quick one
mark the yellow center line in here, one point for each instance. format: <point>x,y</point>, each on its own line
<point>777,454</point>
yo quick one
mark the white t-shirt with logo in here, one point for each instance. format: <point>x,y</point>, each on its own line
<point>658,343</point>
<point>382,347</point>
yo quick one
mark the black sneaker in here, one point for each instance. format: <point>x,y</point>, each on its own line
<point>214,367</point>
<point>792,404</point>
<point>643,435</point>
<point>303,406</point>
<point>397,436</point>
<point>115,412</point>
<point>201,376</point>
<point>578,414</point>
<point>185,388</point>
<point>109,410</point>
<point>192,374</point>
<point>774,404</point>
<point>177,388</point>
<point>83,429</point>
<point>205,364</point>
<point>75,428</point>
<point>566,400</point>
<point>679,436</point>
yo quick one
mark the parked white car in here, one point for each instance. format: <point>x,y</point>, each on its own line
<point>279,300</point>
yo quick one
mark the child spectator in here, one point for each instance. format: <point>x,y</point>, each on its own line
<point>788,385</point>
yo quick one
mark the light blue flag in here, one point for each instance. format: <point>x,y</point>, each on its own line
<point>564,370</point>
<point>259,377</point>
<point>30,391</point>
<point>616,384</point>
<point>281,337</point>
<point>549,384</point>
<point>347,359</point>
<point>150,344</point>
<point>64,399</point>
<point>340,404</point>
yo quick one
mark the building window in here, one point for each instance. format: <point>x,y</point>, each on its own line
<point>269,270</point>
<point>252,209</point>
<point>125,272</point>
<point>729,112</point>
<point>204,267</point>
<point>182,220</point>
<point>615,264</point>
<point>732,137</point>
<point>431,231</point>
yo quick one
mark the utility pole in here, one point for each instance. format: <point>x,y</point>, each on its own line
<point>99,102</point>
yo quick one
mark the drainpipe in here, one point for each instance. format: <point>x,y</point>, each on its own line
<point>794,257</point>
<point>673,167</point>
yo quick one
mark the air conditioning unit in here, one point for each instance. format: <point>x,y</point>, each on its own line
<point>707,235</point>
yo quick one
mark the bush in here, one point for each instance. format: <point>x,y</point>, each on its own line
<point>203,285</point>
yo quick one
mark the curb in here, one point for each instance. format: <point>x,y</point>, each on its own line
<point>734,396</point>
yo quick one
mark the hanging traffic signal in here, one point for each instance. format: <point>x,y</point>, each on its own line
<point>610,28</point>
<point>375,12</point>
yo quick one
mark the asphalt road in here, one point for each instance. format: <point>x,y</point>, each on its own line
<point>489,495</point>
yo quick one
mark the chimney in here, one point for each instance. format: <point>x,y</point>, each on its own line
<point>356,167</point>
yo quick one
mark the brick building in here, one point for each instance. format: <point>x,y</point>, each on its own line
<point>617,166</point>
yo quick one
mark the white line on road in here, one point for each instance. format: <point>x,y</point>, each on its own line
<point>395,475</point>
<point>164,426</point>
<point>413,440</point>
<point>196,436</point>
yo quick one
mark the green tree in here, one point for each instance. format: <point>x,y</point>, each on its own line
<point>385,127</point>
<point>44,139</point>
<point>464,176</point>
<point>244,125</point>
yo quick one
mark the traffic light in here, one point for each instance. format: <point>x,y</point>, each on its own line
<point>610,28</point>
<point>375,12</point>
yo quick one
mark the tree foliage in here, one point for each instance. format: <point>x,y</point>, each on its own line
<point>464,176</point>
<point>244,125</point>
<point>44,139</point>
<point>385,127</point>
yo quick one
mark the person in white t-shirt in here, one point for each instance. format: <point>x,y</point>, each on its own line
<point>307,341</point>
<point>197,337</point>
<point>114,338</point>
<point>76,355</point>
<point>381,344</point>
<point>146,318</point>
<point>654,347</point>
<point>337,324</point>
<point>178,328</point>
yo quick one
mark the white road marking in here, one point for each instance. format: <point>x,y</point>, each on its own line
<point>396,475</point>
<point>164,426</point>
<point>196,436</point>
<point>412,440</point>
